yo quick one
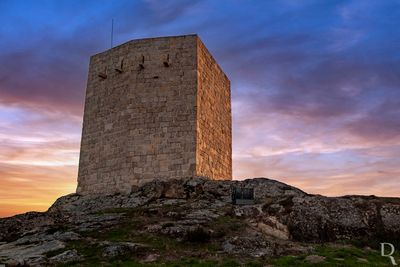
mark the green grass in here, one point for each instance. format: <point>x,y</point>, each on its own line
<point>136,219</point>
<point>346,256</point>
<point>90,252</point>
<point>130,233</point>
<point>183,262</point>
<point>225,225</point>
<point>172,252</point>
<point>203,254</point>
<point>177,254</point>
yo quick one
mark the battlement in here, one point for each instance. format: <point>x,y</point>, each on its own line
<point>155,108</point>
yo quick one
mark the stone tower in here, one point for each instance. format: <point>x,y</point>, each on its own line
<point>156,108</point>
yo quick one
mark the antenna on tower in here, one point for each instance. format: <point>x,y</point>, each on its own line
<point>112,32</point>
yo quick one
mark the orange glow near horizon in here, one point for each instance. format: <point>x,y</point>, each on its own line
<point>34,188</point>
<point>28,188</point>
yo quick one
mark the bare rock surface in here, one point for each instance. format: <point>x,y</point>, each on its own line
<point>65,257</point>
<point>182,213</point>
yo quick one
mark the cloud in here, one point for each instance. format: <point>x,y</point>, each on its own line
<point>381,123</point>
<point>164,12</point>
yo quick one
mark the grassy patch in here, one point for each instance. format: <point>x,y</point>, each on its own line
<point>173,252</point>
<point>348,256</point>
<point>197,235</point>
<point>183,262</point>
<point>225,225</point>
<point>91,253</point>
<point>120,232</point>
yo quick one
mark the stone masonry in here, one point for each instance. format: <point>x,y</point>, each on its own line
<point>156,108</point>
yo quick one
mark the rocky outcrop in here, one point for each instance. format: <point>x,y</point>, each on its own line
<point>283,220</point>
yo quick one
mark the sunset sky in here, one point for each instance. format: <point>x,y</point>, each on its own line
<point>315,88</point>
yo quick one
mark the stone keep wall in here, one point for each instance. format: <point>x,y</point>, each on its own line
<point>214,120</point>
<point>145,118</point>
